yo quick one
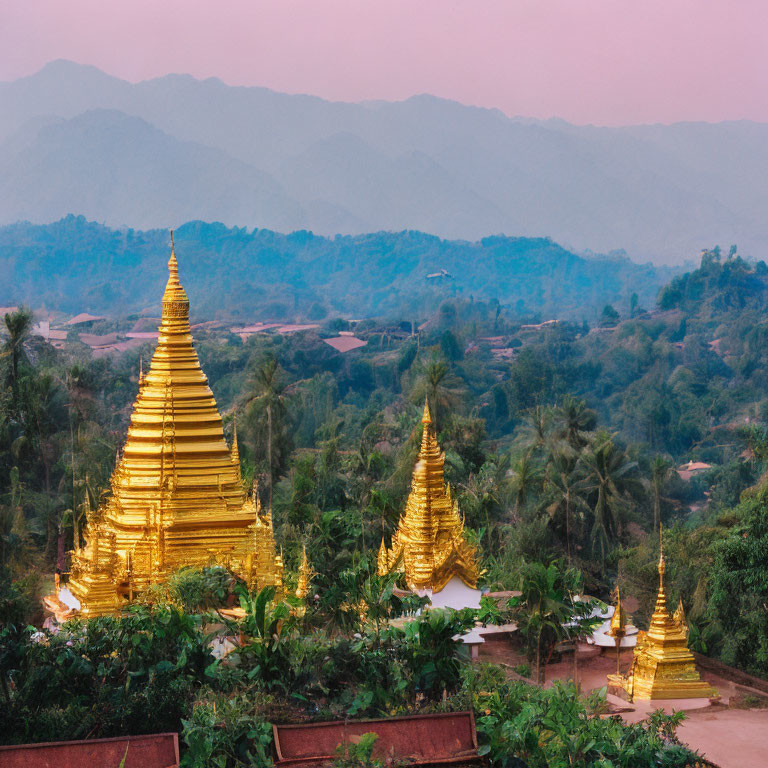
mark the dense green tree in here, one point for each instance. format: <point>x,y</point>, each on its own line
<point>565,495</point>
<point>739,589</point>
<point>610,477</point>
<point>661,470</point>
<point>266,409</point>
<point>547,610</point>
<point>574,422</point>
<point>438,386</point>
<point>18,325</point>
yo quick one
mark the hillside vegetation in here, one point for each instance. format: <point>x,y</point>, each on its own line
<point>74,265</point>
<point>562,457</point>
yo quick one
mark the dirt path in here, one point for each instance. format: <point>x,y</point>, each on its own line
<point>731,738</point>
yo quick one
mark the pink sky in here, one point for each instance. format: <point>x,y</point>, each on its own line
<point>588,61</point>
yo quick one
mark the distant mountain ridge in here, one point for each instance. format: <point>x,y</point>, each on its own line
<point>74,265</point>
<point>76,140</point>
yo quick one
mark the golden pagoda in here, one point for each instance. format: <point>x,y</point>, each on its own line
<point>177,497</point>
<point>619,622</point>
<point>305,576</point>
<point>663,666</point>
<point>618,627</point>
<point>429,545</point>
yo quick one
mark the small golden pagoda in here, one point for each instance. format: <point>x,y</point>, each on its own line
<point>305,576</point>
<point>663,666</point>
<point>618,627</point>
<point>429,544</point>
<point>619,619</point>
<point>177,497</point>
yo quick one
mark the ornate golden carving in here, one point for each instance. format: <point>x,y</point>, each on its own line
<point>177,498</point>
<point>429,545</point>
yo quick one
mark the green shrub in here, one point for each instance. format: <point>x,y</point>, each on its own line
<point>524,670</point>
<point>223,733</point>
<point>558,727</point>
<point>358,754</point>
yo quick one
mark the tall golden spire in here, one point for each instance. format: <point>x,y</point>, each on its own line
<point>663,666</point>
<point>235,452</point>
<point>177,497</point>
<point>305,574</point>
<point>426,417</point>
<point>429,544</point>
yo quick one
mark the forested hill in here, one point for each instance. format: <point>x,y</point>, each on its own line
<point>74,265</point>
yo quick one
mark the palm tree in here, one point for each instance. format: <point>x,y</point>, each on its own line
<point>19,326</point>
<point>526,478</point>
<point>269,395</point>
<point>485,493</point>
<point>661,470</point>
<point>566,487</point>
<point>439,387</point>
<point>15,546</point>
<point>534,433</point>
<point>610,476</point>
<point>547,611</point>
<point>574,422</point>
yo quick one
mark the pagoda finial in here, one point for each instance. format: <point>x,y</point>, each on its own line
<point>662,564</point>
<point>305,574</point>
<point>235,452</point>
<point>427,417</point>
<point>173,264</point>
<point>175,301</point>
<point>382,561</point>
<point>87,501</point>
<point>428,440</point>
<point>234,433</point>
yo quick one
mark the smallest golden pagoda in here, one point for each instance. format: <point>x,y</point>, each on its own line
<point>663,666</point>
<point>305,576</point>
<point>429,546</point>
<point>618,627</point>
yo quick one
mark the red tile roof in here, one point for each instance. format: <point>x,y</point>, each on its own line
<point>84,317</point>
<point>345,343</point>
<point>96,340</point>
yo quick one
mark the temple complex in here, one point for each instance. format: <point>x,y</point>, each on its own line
<point>177,497</point>
<point>429,546</point>
<point>663,666</point>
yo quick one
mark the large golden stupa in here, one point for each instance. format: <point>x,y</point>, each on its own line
<point>429,546</point>
<point>177,498</point>
<point>663,666</point>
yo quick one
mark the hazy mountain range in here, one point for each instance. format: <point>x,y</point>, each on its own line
<point>164,151</point>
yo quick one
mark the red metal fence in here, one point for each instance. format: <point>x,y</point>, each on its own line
<point>419,739</point>
<point>159,750</point>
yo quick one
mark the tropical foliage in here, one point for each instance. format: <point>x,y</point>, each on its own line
<point>560,453</point>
